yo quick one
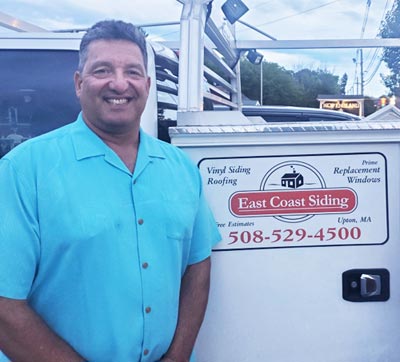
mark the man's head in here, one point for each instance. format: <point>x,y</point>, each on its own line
<point>112,30</point>
<point>112,82</point>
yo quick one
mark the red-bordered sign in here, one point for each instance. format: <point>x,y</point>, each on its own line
<point>298,202</point>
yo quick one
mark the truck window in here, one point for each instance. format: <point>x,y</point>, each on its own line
<point>36,93</point>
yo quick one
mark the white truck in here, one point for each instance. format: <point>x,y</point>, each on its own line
<point>37,91</point>
<point>307,269</point>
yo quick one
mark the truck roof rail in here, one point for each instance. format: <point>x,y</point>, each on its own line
<point>208,60</point>
<point>9,22</point>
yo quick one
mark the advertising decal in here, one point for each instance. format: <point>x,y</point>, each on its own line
<point>298,201</point>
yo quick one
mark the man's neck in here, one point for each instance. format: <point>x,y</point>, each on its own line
<point>125,144</point>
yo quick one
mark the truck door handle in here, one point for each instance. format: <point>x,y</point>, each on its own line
<point>370,285</point>
<point>366,285</point>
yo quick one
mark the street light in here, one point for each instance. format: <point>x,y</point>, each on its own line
<point>254,57</point>
<point>234,10</point>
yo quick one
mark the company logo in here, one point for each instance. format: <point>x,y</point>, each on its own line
<point>263,203</point>
<point>292,191</point>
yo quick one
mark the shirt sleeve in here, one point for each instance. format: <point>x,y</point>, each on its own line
<point>19,233</point>
<point>205,232</point>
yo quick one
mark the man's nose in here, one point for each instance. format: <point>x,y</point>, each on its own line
<point>119,82</point>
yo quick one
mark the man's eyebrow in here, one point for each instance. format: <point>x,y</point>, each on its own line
<point>135,65</point>
<point>110,64</point>
<point>100,63</point>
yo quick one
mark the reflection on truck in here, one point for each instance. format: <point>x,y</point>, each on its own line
<point>37,94</point>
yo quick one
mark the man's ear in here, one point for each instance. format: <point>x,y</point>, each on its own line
<point>78,83</point>
<point>148,84</point>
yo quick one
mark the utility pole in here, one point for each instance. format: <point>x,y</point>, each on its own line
<point>362,72</point>
<point>367,8</point>
<point>261,83</point>
<point>355,61</point>
<point>359,59</point>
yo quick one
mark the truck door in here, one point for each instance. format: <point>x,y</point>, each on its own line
<point>308,269</point>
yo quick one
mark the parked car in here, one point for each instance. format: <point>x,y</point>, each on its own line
<point>287,114</point>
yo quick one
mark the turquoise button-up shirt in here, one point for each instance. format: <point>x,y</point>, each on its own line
<point>98,252</point>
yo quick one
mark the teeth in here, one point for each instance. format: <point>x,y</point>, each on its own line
<point>118,101</point>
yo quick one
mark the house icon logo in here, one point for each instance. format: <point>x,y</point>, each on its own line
<point>292,180</point>
<point>292,191</point>
<point>292,175</point>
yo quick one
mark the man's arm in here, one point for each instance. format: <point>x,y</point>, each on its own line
<point>192,306</point>
<point>24,336</point>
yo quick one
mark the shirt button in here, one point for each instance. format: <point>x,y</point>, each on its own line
<point>148,309</point>
<point>140,221</point>
<point>146,352</point>
<point>145,265</point>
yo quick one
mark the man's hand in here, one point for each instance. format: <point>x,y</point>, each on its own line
<point>167,359</point>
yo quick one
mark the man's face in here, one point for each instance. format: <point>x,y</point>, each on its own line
<point>113,86</point>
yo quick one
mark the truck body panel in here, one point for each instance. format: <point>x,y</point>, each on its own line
<point>277,275</point>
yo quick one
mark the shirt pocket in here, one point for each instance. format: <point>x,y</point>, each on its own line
<point>180,217</point>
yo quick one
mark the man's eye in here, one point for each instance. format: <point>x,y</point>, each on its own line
<point>135,72</point>
<point>100,72</point>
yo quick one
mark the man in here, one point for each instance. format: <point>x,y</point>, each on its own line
<point>105,236</point>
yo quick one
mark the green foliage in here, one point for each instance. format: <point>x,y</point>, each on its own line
<point>315,82</point>
<point>249,74</point>
<point>391,56</point>
<point>369,106</point>
<point>343,83</point>
<point>284,87</point>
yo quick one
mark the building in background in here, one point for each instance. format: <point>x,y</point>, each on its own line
<point>386,113</point>
<point>346,103</point>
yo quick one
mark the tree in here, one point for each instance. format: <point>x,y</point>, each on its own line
<point>250,79</point>
<point>370,105</point>
<point>391,56</point>
<point>278,85</point>
<point>343,83</point>
<point>315,82</point>
<point>284,87</point>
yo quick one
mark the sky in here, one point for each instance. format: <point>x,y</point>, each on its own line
<point>284,20</point>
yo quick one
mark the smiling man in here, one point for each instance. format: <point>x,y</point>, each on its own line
<point>106,237</point>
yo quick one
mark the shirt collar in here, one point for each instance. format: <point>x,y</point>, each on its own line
<point>87,144</point>
<point>149,149</point>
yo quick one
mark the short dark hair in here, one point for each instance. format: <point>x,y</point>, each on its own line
<point>112,30</point>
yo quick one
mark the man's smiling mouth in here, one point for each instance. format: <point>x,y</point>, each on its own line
<point>117,100</point>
